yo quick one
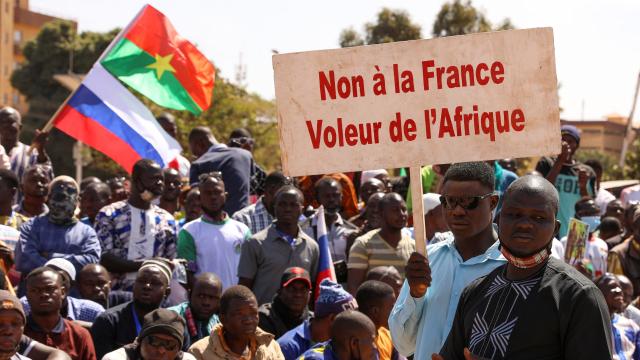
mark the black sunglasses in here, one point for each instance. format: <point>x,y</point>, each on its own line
<point>465,202</point>
<point>169,345</point>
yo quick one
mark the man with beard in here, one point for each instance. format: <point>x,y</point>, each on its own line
<point>34,186</point>
<point>260,215</point>
<point>57,234</point>
<point>424,311</point>
<point>171,193</point>
<point>94,197</point>
<point>213,242</point>
<point>289,307</point>
<point>45,293</point>
<point>120,325</point>
<point>134,230</point>
<point>552,311</point>
<point>387,246</point>
<point>329,195</point>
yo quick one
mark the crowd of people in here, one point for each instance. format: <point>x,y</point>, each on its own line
<point>218,259</point>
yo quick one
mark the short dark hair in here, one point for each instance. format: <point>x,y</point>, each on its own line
<point>9,177</point>
<point>42,269</point>
<point>166,117</point>
<point>239,132</point>
<point>236,292</point>
<point>100,188</point>
<point>600,281</point>
<point>141,166</point>
<point>610,224</point>
<point>36,167</point>
<point>200,133</point>
<point>535,185</point>
<point>586,204</point>
<point>596,165</point>
<point>388,198</point>
<point>288,188</point>
<point>348,324</point>
<point>276,178</point>
<point>371,292</point>
<point>472,171</point>
<point>325,181</point>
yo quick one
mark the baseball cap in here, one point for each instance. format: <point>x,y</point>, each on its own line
<point>295,273</point>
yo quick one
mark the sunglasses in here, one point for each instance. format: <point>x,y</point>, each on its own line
<point>466,202</point>
<point>169,345</point>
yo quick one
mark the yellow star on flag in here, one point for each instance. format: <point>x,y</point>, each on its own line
<point>162,64</point>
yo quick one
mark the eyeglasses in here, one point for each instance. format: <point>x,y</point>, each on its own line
<point>465,202</point>
<point>169,345</point>
<point>243,140</point>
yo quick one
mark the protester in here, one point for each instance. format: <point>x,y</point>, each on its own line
<point>241,138</point>
<point>120,325</point>
<point>616,210</point>
<point>45,292</point>
<point>572,179</point>
<point>602,196</point>
<point>367,189</point>
<point>160,338</point>
<point>35,187</point>
<point>611,231</point>
<point>329,195</point>
<point>289,307</point>
<point>630,311</point>
<point>624,258</point>
<point>92,199</point>
<point>349,206</point>
<point>332,300</point>
<point>267,254</point>
<point>171,192</point>
<point>192,208</point>
<point>9,186</point>
<point>94,283</point>
<point>434,222</point>
<point>12,321</point>
<point>119,189</point>
<point>553,312</point>
<point>388,275</point>
<point>168,123</point>
<point>421,318</point>
<point>212,243</point>
<point>235,164</point>
<point>238,335</point>
<point>625,332</point>
<point>372,219</point>
<point>135,230</point>
<point>20,155</point>
<point>201,311</point>
<point>352,338</point>
<point>375,299</point>
<point>57,233</point>
<point>260,215</point>
<point>387,246</point>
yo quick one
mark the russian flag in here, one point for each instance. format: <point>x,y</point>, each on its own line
<point>103,114</point>
<point>325,265</point>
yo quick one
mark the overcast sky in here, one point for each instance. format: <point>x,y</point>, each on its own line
<point>597,42</point>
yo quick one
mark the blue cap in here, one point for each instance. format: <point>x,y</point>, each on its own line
<point>571,131</point>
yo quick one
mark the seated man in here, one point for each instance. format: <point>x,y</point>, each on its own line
<point>332,300</point>
<point>57,234</point>
<point>161,337</point>
<point>94,283</point>
<point>96,196</point>
<point>35,186</point>
<point>81,310</point>
<point>200,312</point>
<point>553,311</point>
<point>238,335</point>
<point>120,325</point>
<point>45,292</point>
<point>353,337</point>
<point>289,307</point>
<point>375,299</point>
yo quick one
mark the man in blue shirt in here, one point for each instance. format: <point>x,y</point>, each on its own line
<point>422,316</point>
<point>58,233</point>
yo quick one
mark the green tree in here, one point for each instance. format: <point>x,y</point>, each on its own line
<point>391,25</point>
<point>611,170</point>
<point>460,18</point>
<point>632,161</point>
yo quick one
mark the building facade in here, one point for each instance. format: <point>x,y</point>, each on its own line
<point>605,135</point>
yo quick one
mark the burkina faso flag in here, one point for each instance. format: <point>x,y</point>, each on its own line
<point>152,58</point>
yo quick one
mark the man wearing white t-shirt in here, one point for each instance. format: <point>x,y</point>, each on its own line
<point>597,250</point>
<point>213,242</point>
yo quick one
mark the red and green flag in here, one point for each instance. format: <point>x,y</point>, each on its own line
<point>152,58</point>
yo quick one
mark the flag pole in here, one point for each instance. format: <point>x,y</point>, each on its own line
<point>49,125</point>
<point>417,206</point>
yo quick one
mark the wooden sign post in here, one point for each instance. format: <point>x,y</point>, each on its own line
<point>406,104</point>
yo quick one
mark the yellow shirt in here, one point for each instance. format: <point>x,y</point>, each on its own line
<point>384,343</point>
<point>15,220</point>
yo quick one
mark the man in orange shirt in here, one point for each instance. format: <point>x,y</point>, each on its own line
<point>375,299</point>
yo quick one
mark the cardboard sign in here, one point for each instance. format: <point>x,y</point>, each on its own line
<point>577,238</point>
<point>475,97</point>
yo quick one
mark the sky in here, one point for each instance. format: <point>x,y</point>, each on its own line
<point>596,42</point>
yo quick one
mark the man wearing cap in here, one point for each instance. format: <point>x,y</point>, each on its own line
<point>332,300</point>
<point>289,307</point>
<point>72,308</point>
<point>45,292</point>
<point>120,325</point>
<point>161,337</point>
<point>572,179</point>
<point>12,320</point>
<point>57,234</point>
<point>434,220</point>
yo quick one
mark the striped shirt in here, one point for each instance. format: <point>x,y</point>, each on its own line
<point>370,250</point>
<point>626,338</point>
<point>255,216</point>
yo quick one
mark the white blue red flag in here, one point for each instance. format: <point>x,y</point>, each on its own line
<point>325,265</point>
<point>103,114</point>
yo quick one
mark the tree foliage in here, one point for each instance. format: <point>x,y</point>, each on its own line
<point>48,54</point>
<point>460,18</point>
<point>391,25</point>
<point>611,170</point>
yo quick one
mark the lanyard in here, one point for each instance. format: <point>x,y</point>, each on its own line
<point>135,320</point>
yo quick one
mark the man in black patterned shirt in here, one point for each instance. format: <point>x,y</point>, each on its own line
<point>533,307</point>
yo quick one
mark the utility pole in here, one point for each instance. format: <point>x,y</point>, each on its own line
<point>630,132</point>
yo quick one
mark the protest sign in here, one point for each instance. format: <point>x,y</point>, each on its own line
<point>406,104</point>
<point>576,241</point>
